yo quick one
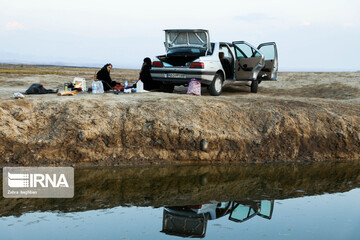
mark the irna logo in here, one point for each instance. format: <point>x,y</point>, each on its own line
<point>36,180</point>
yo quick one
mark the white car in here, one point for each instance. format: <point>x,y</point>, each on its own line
<point>190,54</point>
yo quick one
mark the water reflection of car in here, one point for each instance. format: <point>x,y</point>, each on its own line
<point>190,54</point>
<point>191,221</point>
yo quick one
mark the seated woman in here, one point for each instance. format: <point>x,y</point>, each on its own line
<point>145,76</point>
<point>104,76</point>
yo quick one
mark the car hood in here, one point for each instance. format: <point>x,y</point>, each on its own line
<point>187,38</point>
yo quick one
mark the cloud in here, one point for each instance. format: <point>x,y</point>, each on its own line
<point>11,26</point>
<point>305,23</point>
<point>348,25</point>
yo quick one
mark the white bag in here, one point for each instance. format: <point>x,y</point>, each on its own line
<point>80,83</point>
<point>97,87</point>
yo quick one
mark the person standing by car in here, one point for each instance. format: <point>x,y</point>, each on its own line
<point>145,76</point>
<point>104,75</point>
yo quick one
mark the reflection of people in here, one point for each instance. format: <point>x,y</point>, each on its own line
<point>226,65</point>
<point>145,76</point>
<point>104,76</point>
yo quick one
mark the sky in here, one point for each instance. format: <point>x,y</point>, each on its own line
<point>311,35</point>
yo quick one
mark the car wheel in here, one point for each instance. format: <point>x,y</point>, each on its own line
<point>167,87</point>
<point>254,86</point>
<point>215,87</point>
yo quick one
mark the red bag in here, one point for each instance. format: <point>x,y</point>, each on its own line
<point>118,87</point>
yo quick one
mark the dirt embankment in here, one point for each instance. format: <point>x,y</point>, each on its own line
<point>302,116</point>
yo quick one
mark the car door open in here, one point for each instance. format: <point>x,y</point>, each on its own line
<point>270,70</point>
<point>249,61</point>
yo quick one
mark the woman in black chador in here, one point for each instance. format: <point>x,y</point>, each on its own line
<point>104,76</point>
<point>145,76</point>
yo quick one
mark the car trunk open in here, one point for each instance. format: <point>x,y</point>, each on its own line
<point>177,61</point>
<point>183,46</point>
<point>181,56</point>
<point>187,38</point>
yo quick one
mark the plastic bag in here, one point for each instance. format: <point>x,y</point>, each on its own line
<point>97,87</point>
<point>194,87</point>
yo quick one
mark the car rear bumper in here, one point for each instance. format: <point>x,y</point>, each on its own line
<point>180,77</point>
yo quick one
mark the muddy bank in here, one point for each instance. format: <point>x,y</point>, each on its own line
<point>152,129</point>
<point>277,124</point>
<point>100,188</point>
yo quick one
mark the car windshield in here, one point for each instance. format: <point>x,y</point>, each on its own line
<point>186,51</point>
<point>190,51</point>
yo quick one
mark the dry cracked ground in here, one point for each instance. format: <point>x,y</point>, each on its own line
<point>304,116</point>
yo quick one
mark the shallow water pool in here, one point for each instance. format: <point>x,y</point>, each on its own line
<point>232,201</point>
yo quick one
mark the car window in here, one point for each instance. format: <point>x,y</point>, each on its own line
<point>226,51</point>
<point>245,51</point>
<point>190,51</point>
<point>268,51</point>
<point>186,51</point>
<point>266,208</point>
<point>239,53</point>
<point>242,212</point>
<point>212,49</point>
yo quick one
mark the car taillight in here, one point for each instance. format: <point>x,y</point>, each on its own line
<point>157,64</point>
<point>197,65</point>
<point>195,206</point>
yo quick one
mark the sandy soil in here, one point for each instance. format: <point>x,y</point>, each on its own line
<point>302,116</point>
